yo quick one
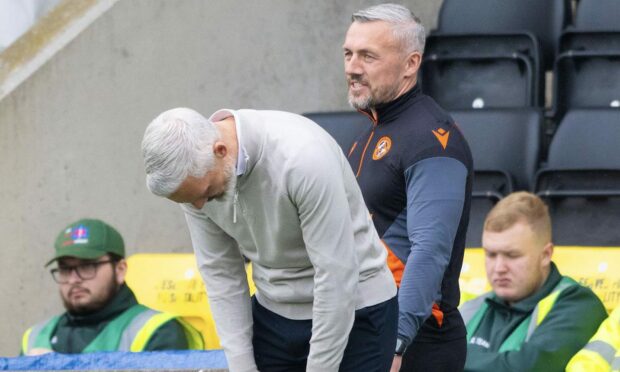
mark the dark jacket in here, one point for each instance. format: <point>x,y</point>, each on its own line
<point>415,171</point>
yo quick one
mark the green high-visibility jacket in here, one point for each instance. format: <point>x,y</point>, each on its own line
<point>122,325</point>
<point>539,333</point>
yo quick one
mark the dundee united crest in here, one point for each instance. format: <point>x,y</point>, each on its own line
<point>383,147</point>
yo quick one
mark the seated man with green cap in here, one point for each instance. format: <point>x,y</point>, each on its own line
<point>102,312</point>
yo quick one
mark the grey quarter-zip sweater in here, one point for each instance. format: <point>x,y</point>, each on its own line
<point>298,214</point>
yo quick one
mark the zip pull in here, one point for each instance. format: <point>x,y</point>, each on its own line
<point>235,199</point>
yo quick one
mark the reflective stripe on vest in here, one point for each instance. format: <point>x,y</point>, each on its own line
<point>143,329</point>
<point>130,331</point>
<point>473,312</point>
<point>110,338</point>
<point>26,341</point>
<point>602,348</point>
<point>39,335</point>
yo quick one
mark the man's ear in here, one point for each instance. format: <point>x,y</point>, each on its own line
<point>547,253</point>
<point>219,149</point>
<point>121,270</point>
<point>413,62</point>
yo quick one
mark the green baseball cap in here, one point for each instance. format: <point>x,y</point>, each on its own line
<point>88,239</point>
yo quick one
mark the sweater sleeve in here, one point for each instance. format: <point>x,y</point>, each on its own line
<point>319,193</point>
<point>435,198</point>
<point>222,268</point>
<point>573,319</point>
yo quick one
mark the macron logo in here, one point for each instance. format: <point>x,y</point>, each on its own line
<point>442,136</point>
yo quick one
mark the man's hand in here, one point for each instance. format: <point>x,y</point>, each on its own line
<point>398,359</point>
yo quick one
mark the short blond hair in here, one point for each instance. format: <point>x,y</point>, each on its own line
<point>520,206</point>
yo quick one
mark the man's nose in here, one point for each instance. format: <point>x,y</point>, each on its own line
<point>500,264</point>
<point>352,66</point>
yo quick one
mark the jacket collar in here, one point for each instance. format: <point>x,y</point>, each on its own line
<point>249,147</point>
<point>389,111</point>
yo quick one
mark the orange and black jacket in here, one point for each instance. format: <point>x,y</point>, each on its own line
<point>415,171</point>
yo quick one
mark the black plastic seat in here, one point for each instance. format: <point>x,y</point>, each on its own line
<point>498,46</point>
<point>505,146</point>
<point>480,81</point>
<point>581,182</point>
<point>596,28</point>
<point>545,19</point>
<point>587,80</point>
<point>582,41</point>
<point>598,15</point>
<point>587,70</point>
<point>344,126</point>
<point>522,35</point>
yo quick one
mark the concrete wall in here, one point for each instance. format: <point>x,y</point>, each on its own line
<point>70,133</point>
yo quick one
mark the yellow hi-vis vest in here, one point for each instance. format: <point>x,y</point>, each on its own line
<point>130,331</point>
<point>602,353</point>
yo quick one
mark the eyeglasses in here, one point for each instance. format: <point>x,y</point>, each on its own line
<point>84,271</point>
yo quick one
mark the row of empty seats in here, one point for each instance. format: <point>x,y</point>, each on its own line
<point>494,54</point>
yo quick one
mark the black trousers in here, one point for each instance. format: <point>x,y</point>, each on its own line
<point>435,357</point>
<point>282,344</point>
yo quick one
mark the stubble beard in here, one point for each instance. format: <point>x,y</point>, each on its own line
<point>373,98</point>
<point>95,303</point>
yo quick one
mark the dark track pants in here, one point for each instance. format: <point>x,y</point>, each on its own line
<point>437,357</point>
<point>282,344</point>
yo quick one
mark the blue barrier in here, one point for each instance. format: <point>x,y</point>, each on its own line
<point>186,359</point>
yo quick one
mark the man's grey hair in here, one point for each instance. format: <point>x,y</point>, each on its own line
<point>177,144</point>
<point>406,26</point>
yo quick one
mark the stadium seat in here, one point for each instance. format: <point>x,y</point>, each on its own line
<point>587,68</point>
<point>595,267</point>
<point>545,19</point>
<point>599,15</point>
<point>581,181</point>
<point>596,27</point>
<point>508,43</point>
<point>344,126</point>
<point>589,41</point>
<point>496,45</point>
<point>171,282</point>
<point>505,146</point>
<point>459,82</point>
<point>586,79</point>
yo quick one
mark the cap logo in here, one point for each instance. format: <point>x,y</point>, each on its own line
<point>383,147</point>
<point>78,235</point>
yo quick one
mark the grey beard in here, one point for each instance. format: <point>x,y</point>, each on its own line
<point>360,105</point>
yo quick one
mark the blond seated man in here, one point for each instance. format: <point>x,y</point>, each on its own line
<point>534,319</point>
